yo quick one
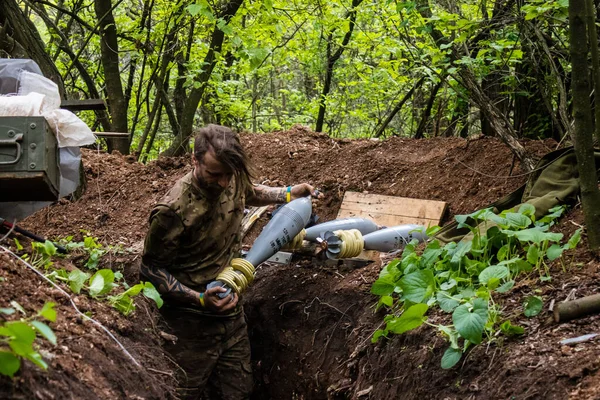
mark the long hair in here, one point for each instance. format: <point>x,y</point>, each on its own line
<point>228,150</point>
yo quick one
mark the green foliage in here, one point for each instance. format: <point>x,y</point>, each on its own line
<point>100,284</point>
<point>17,338</point>
<point>103,285</point>
<point>270,70</point>
<point>41,254</point>
<point>462,278</point>
<point>510,330</point>
<point>533,305</point>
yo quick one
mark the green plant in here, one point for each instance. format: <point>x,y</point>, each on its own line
<point>101,284</point>
<point>41,254</point>
<point>124,302</point>
<point>17,338</point>
<point>461,278</point>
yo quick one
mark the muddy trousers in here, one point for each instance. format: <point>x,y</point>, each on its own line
<point>213,352</point>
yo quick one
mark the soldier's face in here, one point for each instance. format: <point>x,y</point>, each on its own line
<point>211,173</point>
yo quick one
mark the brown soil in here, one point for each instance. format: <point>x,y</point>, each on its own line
<point>310,326</point>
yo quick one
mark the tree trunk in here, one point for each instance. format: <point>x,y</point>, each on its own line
<point>498,121</point>
<point>109,47</point>
<point>331,60</point>
<point>20,38</point>
<point>593,36</point>
<point>420,134</point>
<point>397,108</point>
<point>588,180</point>
<point>180,144</point>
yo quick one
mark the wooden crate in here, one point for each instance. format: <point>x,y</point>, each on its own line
<point>392,210</point>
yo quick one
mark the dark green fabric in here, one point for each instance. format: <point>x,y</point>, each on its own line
<point>213,355</point>
<point>554,181</point>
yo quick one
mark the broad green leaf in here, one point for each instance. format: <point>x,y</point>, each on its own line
<point>493,272</point>
<point>510,330</point>
<point>45,331</point>
<point>9,363</point>
<point>553,214</point>
<point>448,285</point>
<point>470,320</point>
<point>101,282</point>
<point>467,292</point>
<point>21,337</point>
<point>49,248</point>
<point>527,209</point>
<point>48,312</point>
<point>151,293</point>
<point>387,300</point>
<point>461,250</point>
<point>134,290</point>
<point>533,305</point>
<point>533,254</point>
<point>535,235</point>
<point>517,220</point>
<point>386,283</point>
<point>554,252</point>
<point>505,287</point>
<point>451,357</point>
<point>77,279</point>
<point>462,221</point>
<point>446,302</point>
<point>418,285</point>
<point>7,311</point>
<point>19,245</point>
<point>412,318</point>
<point>431,254</point>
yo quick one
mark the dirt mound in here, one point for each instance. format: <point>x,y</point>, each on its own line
<point>310,326</point>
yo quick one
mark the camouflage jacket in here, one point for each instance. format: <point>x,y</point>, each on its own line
<point>193,236</point>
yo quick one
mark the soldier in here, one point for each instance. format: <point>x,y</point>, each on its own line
<point>194,234</point>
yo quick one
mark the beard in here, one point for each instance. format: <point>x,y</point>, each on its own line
<point>213,190</point>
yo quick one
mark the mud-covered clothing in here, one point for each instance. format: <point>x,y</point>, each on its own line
<point>215,355</point>
<point>192,235</point>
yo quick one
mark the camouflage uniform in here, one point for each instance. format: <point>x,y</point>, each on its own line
<point>194,237</point>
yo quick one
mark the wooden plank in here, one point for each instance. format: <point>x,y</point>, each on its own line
<point>109,135</point>
<point>392,210</point>
<point>400,206</point>
<point>80,105</point>
<point>387,219</point>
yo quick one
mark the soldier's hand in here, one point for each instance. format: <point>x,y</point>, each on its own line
<point>303,190</point>
<point>213,302</point>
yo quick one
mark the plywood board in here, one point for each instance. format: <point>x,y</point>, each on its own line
<point>392,210</point>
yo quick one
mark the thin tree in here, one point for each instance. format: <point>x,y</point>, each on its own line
<point>109,47</point>
<point>332,58</point>
<point>582,114</point>
<point>186,122</point>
